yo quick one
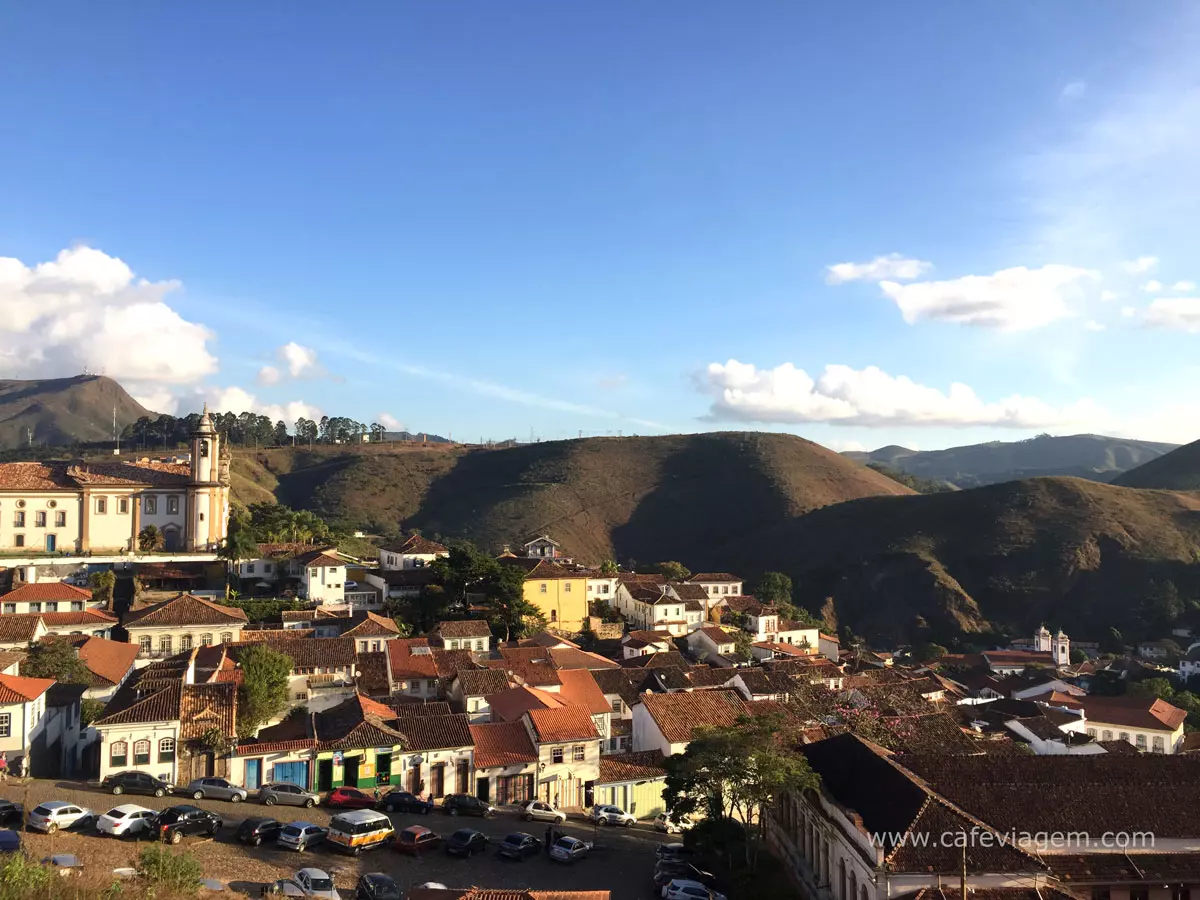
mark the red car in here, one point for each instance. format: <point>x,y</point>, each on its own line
<point>349,798</point>
<point>416,840</point>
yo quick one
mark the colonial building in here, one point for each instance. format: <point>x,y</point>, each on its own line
<point>53,506</point>
<point>182,623</point>
<point>415,552</point>
<point>560,593</point>
<point>22,714</point>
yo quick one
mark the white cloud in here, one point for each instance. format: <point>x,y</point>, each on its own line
<point>893,266</point>
<point>1128,312</point>
<point>1140,265</point>
<point>868,397</point>
<point>1073,91</point>
<point>390,422</point>
<point>158,400</point>
<point>269,375</point>
<point>846,446</point>
<point>239,400</point>
<point>1109,296</point>
<point>1013,299</point>
<point>1152,286</point>
<point>1093,325</point>
<point>300,360</point>
<point>1184,286</point>
<point>1177,313</point>
<point>86,310</point>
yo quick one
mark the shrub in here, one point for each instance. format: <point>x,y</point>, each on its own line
<point>174,871</point>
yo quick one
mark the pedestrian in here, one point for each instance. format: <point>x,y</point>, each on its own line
<point>3,766</point>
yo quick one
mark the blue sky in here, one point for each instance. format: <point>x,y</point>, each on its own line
<point>926,223</point>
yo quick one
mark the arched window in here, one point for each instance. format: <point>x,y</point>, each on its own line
<point>842,880</point>
<point>144,644</point>
<point>118,756</point>
<point>166,750</point>
<point>164,643</point>
<point>185,642</point>
<point>206,640</point>
<point>226,637</point>
<point>863,895</point>
<point>141,753</point>
<point>853,886</point>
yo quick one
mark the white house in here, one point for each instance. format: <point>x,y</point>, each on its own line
<point>469,634</point>
<point>22,714</point>
<point>666,722</point>
<point>322,576</point>
<point>181,623</point>
<point>602,588</point>
<point>46,596</point>
<point>414,553</point>
<point>506,762</point>
<point>568,753</point>
<point>1150,724</point>
<point>1189,666</point>
<point>643,643</point>
<point>713,644</point>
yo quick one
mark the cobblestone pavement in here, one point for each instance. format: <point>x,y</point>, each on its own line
<point>621,863</point>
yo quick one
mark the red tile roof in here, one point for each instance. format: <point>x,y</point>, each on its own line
<point>411,658</point>
<point>618,767</point>
<point>574,658</point>
<point>499,744</point>
<point>509,705</point>
<point>716,634</point>
<point>711,577</point>
<point>679,715</point>
<point>184,610</point>
<point>567,723</point>
<point>17,689</point>
<point>46,591</point>
<point>203,707</point>
<point>1132,712</point>
<point>109,660</point>
<point>373,625</point>
<point>539,569</point>
<point>19,629</point>
<point>91,617</point>
<point>417,545</point>
<point>466,628</point>
<point>424,733</point>
<point>579,688</point>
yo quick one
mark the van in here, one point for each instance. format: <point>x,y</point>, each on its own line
<point>358,830</point>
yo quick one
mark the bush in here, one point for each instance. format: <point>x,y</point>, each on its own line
<point>174,871</point>
<point>21,877</point>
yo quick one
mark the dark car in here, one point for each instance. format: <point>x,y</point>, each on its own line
<point>673,851</point>
<point>11,814</point>
<point>666,871</point>
<point>175,821</point>
<point>136,783</point>
<point>466,842</point>
<point>258,831</point>
<point>519,845</point>
<point>376,886</point>
<point>466,805</point>
<point>349,798</point>
<point>10,841</point>
<point>415,840</point>
<point>403,801</point>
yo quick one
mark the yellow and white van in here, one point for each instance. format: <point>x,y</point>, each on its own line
<point>358,830</point>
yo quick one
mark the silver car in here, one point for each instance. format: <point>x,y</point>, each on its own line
<point>299,836</point>
<point>55,814</point>
<point>287,794</point>
<point>215,789</point>
<point>542,812</point>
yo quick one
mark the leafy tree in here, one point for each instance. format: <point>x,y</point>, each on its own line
<point>673,571</point>
<point>170,871</point>
<point>741,646</point>
<point>1152,687</point>
<point>90,709</point>
<point>263,694</point>
<point>56,659</point>
<point>608,567</point>
<point>239,540</point>
<point>102,584</point>
<point>149,538</point>
<point>928,652</point>
<point>774,589</point>
<point>1077,656</point>
<point>507,607</point>
<point>1160,604</point>
<point>281,433</point>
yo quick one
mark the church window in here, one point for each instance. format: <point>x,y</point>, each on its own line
<point>123,505</point>
<point>172,505</point>
<point>101,505</point>
<point>151,506</point>
<point>60,519</point>
<point>204,448</point>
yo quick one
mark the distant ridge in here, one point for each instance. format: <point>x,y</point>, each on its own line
<point>1178,470</point>
<point>62,411</point>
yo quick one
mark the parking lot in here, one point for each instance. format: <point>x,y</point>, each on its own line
<point>621,862</point>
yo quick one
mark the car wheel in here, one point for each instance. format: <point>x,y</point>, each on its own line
<point>159,792</point>
<point>176,837</point>
<point>527,817</point>
<point>627,823</point>
<point>117,789</point>
<point>454,810</point>
<point>391,807</point>
<point>51,828</point>
<point>236,798</point>
<point>269,800</point>
<point>257,842</point>
<point>356,851</point>
<point>561,819</point>
<point>199,795</point>
<point>310,803</point>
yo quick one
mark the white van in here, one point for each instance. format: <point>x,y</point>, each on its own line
<point>358,830</point>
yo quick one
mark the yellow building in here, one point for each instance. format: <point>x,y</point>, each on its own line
<point>559,593</point>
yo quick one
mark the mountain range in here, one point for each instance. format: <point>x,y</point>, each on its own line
<point>60,411</point>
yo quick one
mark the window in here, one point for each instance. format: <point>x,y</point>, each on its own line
<point>39,519</point>
<point>577,753</point>
<point>414,686</point>
<point>616,706</point>
<point>863,895</point>
<point>206,640</point>
<point>19,519</point>
<point>554,615</point>
<point>172,505</point>
<point>151,505</point>
<point>479,644</point>
<point>1141,742</point>
<point>118,754</point>
<point>144,644</point>
<point>76,606</point>
<point>566,587</point>
<point>249,568</point>
<point>10,607</point>
<point>542,587</point>
<point>1124,735</point>
<point>375,647</point>
<point>60,519</point>
<point>312,573</point>
<point>556,755</point>
<point>226,637</point>
<point>362,646</point>
<point>166,750</point>
<point>1108,734</point>
<point>164,643</point>
<point>267,568</point>
<point>141,753</point>
<point>842,879</point>
<point>101,505</point>
<point>123,505</point>
<point>35,607</point>
<point>19,539</point>
<point>185,642</point>
<point>1092,733</point>
<point>1139,893</point>
<point>51,606</point>
<point>604,588</point>
<point>1159,745</point>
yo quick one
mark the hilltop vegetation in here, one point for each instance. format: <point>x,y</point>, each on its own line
<point>1178,470</point>
<point>63,411</point>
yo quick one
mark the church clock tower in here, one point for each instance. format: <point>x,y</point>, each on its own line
<point>208,490</point>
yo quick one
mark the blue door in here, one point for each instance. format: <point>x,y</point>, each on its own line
<point>295,772</point>
<point>51,542</point>
<point>253,774</point>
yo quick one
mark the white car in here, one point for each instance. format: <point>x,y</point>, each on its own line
<point>612,815</point>
<point>128,818</point>
<point>672,824</point>
<point>683,889</point>
<point>543,812</point>
<point>569,849</point>
<point>55,814</point>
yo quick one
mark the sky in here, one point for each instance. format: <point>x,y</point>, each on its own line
<point>929,224</point>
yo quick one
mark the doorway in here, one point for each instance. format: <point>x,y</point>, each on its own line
<point>482,788</point>
<point>383,768</point>
<point>325,775</point>
<point>253,774</point>
<point>350,771</point>
<point>51,543</point>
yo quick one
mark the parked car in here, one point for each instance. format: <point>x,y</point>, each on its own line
<point>356,830</point>
<point>569,849</point>
<point>466,805</point>
<point>543,812</point>
<point>127,819</point>
<point>672,824</point>
<point>666,871</point>
<point>682,889</point>
<point>175,821</point>
<point>255,831</point>
<point>519,845</point>
<point>136,783</point>
<point>673,851</point>
<point>10,841</point>
<point>68,865</point>
<point>305,883</point>
<point>612,815</point>
<point>466,842</point>
<point>415,840</point>
<point>287,794</point>
<point>403,801</point>
<point>376,886</point>
<point>349,798</point>
<point>11,814</point>
<point>299,836</point>
<point>216,789</point>
<point>55,814</point>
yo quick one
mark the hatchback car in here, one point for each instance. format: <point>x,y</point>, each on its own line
<point>666,871</point>
<point>55,814</point>
<point>136,783</point>
<point>305,883</point>
<point>287,794</point>
<point>416,840</point>
<point>299,836</point>
<point>466,805</point>
<point>174,822</point>
<point>519,845</point>
<point>466,842</point>
<point>670,824</point>
<point>569,849</point>
<point>673,851</point>
<point>612,815</point>
<point>542,812</point>
<point>11,814</point>
<point>349,798</point>
<point>215,789</point>
<point>403,801</point>
<point>682,889</point>
<point>255,831</point>
<point>127,819</point>
<point>376,886</point>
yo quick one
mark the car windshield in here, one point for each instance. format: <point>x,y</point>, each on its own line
<point>463,834</point>
<point>385,891</point>
<point>567,843</point>
<point>292,831</point>
<point>321,884</point>
<point>168,815</point>
<point>514,839</point>
<point>42,810</point>
<point>116,814</point>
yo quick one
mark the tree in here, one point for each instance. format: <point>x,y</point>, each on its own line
<point>608,567</point>
<point>507,607</point>
<point>102,584</point>
<point>774,589</point>
<point>280,434</point>
<point>149,538</point>
<point>741,646</point>
<point>928,652</point>
<point>1077,656</point>
<point>673,571</point>
<point>263,694</point>
<point>1160,605</point>
<point>56,659</point>
<point>90,710</point>
<point>239,540</point>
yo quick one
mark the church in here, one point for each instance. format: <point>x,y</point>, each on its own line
<point>76,507</point>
